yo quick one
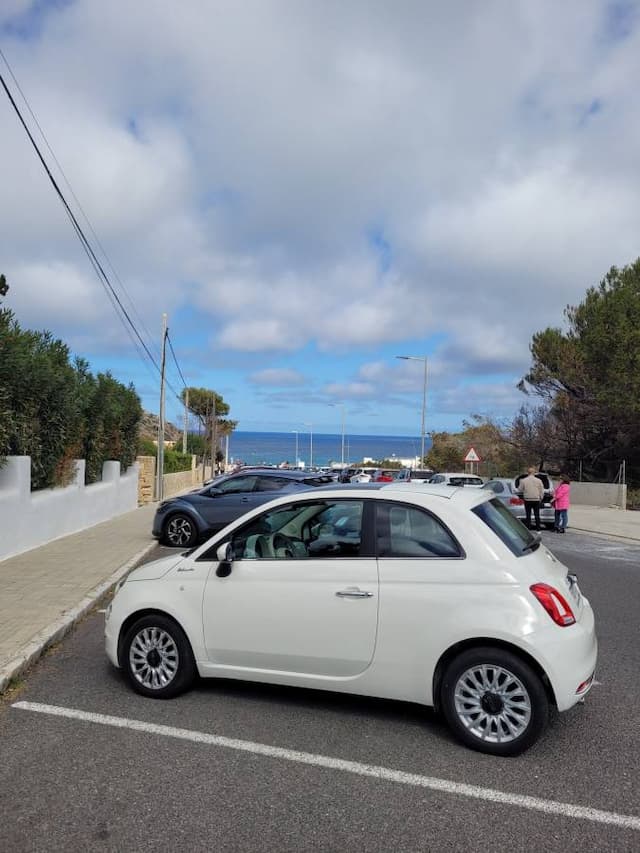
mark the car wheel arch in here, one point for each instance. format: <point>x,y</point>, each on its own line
<point>474,642</point>
<point>139,614</point>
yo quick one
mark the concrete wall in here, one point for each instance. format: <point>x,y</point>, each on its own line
<point>29,519</point>
<point>599,494</point>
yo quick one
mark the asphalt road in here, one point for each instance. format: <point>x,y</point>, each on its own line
<point>97,781</point>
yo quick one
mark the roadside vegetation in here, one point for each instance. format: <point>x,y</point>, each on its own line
<point>53,409</point>
<point>584,388</point>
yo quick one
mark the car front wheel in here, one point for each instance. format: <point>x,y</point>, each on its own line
<point>157,658</point>
<point>493,701</point>
<point>180,531</point>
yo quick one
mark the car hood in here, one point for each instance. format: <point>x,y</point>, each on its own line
<point>156,569</point>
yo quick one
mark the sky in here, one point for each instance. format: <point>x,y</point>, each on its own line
<point>310,189</point>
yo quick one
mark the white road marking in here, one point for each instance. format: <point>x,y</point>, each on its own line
<point>445,786</point>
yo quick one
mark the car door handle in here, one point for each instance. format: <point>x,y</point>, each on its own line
<point>244,500</point>
<point>354,592</point>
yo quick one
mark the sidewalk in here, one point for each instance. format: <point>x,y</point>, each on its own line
<point>44,592</point>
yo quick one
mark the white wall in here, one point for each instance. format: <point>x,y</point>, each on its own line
<point>599,494</point>
<point>29,519</point>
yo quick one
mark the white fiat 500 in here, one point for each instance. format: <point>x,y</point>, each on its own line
<point>435,595</point>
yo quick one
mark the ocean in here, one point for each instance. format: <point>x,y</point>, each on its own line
<point>272,448</point>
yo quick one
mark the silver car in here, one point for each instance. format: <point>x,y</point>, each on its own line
<point>506,489</point>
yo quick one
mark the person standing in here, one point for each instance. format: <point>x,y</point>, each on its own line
<point>532,490</point>
<point>561,504</point>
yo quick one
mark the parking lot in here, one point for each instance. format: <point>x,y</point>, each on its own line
<point>87,764</point>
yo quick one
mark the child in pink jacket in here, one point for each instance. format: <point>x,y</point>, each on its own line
<point>561,504</point>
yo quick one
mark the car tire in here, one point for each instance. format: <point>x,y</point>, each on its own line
<point>179,531</point>
<point>493,701</point>
<point>157,657</point>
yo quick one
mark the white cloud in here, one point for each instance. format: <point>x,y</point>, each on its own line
<point>277,377</point>
<point>354,177</point>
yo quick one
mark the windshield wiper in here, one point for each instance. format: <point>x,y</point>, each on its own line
<point>533,545</point>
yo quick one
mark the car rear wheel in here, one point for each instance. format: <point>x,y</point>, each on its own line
<point>493,701</point>
<point>180,531</point>
<point>157,657</point>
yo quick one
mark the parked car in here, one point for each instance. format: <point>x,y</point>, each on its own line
<point>363,475</point>
<point>431,595</point>
<point>458,479</point>
<point>415,475</point>
<point>506,490</point>
<point>184,519</point>
<point>346,474</point>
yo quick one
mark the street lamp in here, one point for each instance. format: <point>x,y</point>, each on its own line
<point>424,396</point>
<point>296,432</point>
<point>310,425</point>
<point>342,422</point>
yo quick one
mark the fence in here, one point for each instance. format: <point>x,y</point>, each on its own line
<point>29,519</point>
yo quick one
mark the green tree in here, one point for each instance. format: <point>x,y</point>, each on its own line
<point>211,410</point>
<point>589,376</point>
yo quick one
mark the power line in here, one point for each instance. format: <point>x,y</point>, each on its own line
<point>102,276</point>
<point>184,382</point>
<point>75,198</point>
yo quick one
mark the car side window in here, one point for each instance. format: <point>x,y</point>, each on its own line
<point>406,531</point>
<point>312,530</point>
<point>496,487</point>
<point>270,484</point>
<point>236,484</point>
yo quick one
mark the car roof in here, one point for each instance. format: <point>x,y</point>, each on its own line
<point>398,490</point>
<point>288,473</point>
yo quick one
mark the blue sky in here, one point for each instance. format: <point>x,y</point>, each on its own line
<point>309,190</point>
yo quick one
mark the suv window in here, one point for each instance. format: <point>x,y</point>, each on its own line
<point>406,531</point>
<point>518,538</point>
<point>495,485</point>
<point>236,484</point>
<point>271,484</point>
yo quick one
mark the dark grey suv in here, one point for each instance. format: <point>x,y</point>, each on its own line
<point>184,519</point>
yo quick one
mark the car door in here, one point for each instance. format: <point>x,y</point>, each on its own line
<point>302,595</point>
<point>229,499</point>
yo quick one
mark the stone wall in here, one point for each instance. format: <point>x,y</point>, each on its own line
<point>173,484</point>
<point>29,519</point>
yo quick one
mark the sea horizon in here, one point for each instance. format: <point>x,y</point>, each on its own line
<point>254,447</point>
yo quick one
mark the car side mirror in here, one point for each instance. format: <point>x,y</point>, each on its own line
<point>224,555</point>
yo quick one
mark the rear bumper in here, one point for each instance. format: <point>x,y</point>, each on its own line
<point>570,659</point>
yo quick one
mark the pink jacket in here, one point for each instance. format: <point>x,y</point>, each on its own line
<point>561,497</point>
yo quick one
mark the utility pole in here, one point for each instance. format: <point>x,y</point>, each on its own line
<point>186,420</point>
<point>160,458</point>
<point>214,435</point>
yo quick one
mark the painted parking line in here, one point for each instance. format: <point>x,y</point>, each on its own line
<point>552,807</point>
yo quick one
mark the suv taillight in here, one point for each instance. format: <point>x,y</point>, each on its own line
<point>516,501</point>
<point>554,603</point>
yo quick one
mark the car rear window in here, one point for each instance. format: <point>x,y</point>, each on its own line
<point>518,539</point>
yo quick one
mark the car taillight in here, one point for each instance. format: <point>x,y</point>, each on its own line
<point>554,603</point>
<point>516,501</point>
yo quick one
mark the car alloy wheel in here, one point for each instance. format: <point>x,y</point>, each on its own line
<point>180,531</point>
<point>153,658</point>
<point>494,701</point>
<point>157,657</point>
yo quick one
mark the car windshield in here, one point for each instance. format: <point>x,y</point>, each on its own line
<point>518,539</point>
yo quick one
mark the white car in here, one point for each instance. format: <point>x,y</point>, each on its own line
<point>448,478</point>
<point>431,595</point>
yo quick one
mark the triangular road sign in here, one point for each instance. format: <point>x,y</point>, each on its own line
<point>471,456</point>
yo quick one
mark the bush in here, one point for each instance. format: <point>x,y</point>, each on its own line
<point>175,461</point>
<point>55,411</point>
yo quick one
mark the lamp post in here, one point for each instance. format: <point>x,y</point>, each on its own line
<point>310,425</point>
<point>342,425</point>
<point>296,432</point>
<point>424,397</point>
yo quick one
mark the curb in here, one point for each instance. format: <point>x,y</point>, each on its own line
<point>55,631</point>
